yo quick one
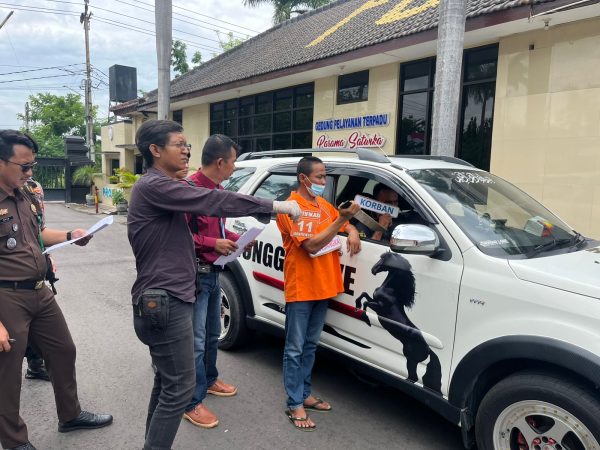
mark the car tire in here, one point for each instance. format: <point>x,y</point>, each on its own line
<point>234,330</point>
<point>543,410</point>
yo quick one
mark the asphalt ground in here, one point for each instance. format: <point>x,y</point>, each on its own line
<point>114,374</point>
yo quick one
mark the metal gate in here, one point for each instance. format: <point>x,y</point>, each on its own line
<point>55,174</point>
<point>51,173</point>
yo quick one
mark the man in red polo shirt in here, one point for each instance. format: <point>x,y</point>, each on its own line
<point>211,239</point>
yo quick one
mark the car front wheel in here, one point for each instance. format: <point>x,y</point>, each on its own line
<point>532,411</point>
<point>233,315</point>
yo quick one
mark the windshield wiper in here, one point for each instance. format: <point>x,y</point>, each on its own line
<point>547,246</point>
<point>575,240</point>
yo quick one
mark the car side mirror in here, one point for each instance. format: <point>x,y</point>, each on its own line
<point>414,239</point>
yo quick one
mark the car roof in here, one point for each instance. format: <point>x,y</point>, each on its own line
<point>403,162</point>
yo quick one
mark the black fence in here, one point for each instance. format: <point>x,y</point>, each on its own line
<point>55,174</point>
<point>52,174</point>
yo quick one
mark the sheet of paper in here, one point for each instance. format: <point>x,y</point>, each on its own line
<point>334,244</point>
<point>242,242</point>
<point>101,224</point>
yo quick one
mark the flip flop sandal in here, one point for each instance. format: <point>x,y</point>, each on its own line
<point>293,420</point>
<point>313,406</point>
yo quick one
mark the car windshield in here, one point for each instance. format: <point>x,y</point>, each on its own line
<point>499,218</point>
<point>238,178</point>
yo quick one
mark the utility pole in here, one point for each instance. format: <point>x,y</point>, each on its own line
<point>6,19</point>
<point>163,10</point>
<point>89,125</point>
<point>27,117</point>
<point>450,43</point>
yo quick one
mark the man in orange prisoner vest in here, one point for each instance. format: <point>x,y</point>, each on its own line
<point>312,276</point>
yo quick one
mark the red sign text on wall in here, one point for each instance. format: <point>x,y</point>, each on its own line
<point>356,139</point>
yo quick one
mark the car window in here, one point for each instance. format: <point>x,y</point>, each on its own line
<point>499,218</point>
<point>277,186</point>
<point>347,187</point>
<point>238,178</point>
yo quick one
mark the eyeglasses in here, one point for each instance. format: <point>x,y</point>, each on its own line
<point>181,145</point>
<point>24,167</point>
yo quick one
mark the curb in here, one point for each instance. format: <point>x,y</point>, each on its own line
<point>91,209</point>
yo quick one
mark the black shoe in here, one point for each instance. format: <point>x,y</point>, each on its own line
<point>28,446</point>
<point>39,374</point>
<point>85,421</point>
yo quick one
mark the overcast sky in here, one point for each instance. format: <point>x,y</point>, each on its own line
<point>45,34</point>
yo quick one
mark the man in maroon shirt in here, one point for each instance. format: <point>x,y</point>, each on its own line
<point>211,239</point>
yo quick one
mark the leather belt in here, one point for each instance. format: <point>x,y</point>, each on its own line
<point>206,268</point>
<point>33,285</point>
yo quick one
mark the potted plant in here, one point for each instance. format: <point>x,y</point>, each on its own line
<point>126,178</point>
<point>118,199</point>
<point>84,176</point>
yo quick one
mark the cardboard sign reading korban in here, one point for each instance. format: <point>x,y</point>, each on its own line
<point>373,205</point>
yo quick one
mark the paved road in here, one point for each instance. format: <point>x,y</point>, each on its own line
<point>114,375</point>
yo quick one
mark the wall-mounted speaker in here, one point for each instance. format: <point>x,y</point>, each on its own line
<point>122,82</point>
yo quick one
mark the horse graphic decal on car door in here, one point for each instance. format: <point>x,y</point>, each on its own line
<point>389,302</point>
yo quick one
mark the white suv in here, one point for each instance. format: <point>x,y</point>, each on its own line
<point>483,304</point>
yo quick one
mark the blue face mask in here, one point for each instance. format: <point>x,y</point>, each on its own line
<point>316,189</point>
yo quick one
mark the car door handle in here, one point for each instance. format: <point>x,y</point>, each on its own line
<point>239,227</point>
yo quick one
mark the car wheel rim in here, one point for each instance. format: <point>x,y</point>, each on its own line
<point>225,315</point>
<point>537,425</point>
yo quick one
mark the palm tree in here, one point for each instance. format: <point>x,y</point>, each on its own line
<point>285,8</point>
<point>451,34</point>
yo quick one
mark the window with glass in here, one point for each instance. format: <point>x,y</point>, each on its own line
<point>238,178</point>
<point>353,87</point>
<point>478,87</point>
<point>275,120</point>
<point>114,165</point>
<point>139,164</point>
<point>178,116</point>
<point>347,187</point>
<point>277,186</point>
<point>416,103</point>
<point>477,112</point>
<point>500,219</point>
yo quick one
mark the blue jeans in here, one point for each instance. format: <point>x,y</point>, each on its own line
<point>303,325</point>
<point>207,329</point>
<point>170,340</point>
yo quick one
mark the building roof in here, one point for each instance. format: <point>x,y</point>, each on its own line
<point>129,106</point>
<point>340,27</point>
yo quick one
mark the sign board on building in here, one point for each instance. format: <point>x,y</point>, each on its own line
<point>369,120</point>
<point>355,139</point>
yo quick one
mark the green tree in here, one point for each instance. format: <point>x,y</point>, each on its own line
<point>231,42</point>
<point>283,9</point>
<point>179,58</point>
<point>197,59</point>
<point>52,117</point>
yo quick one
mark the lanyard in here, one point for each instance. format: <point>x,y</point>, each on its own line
<point>38,214</point>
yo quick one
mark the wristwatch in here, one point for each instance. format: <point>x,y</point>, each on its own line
<point>69,235</point>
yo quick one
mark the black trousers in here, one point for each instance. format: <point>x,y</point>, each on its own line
<point>34,315</point>
<point>171,345</point>
<point>33,358</point>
